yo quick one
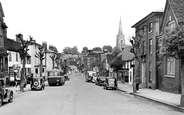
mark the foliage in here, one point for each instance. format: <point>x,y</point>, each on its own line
<point>117,63</point>
<point>107,47</point>
<point>53,48</point>
<point>84,50</point>
<point>97,49</point>
<point>115,51</point>
<point>74,50</point>
<point>173,42</point>
<point>69,50</point>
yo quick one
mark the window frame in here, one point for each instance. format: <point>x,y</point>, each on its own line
<point>170,66</point>
<point>150,26</point>
<point>150,46</point>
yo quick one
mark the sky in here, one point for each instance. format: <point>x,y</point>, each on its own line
<point>81,23</point>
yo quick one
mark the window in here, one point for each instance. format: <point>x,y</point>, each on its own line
<point>150,27</point>
<point>10,56</point>
<point>28,60</point>
<point>170,66</point>
<point>88,60</point>
<point>150,46</point>
<point>171,25</point>
<point>143,47</point>
<point>36,70</point>
<point>42,70</point>
<point>17,59</point>
<point>150,72</point>
<point>144,30</point>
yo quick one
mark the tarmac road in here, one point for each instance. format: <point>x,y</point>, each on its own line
<point>78,97</point>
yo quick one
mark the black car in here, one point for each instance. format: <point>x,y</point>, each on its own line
<point>110,82</point>
<point>6,95</point>
<point>100,80</point>
<point>37,83</point>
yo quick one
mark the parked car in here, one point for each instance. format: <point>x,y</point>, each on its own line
<point>100,80</point>
<point>94,75</point>
<point>89,76</point>
<point>110,82</point>
<point>56,77</point>
<point>6,95</point>
<point>38,83</point>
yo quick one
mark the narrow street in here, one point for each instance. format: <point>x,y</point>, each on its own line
<point>78,97</point>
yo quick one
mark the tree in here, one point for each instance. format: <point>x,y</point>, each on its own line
<point>136,44</point>
<point>117,63</point>
<point>53,58</point>
<point>40,56</point>
<point>97,49</point>
<point>116,51</point>
<point>53,48</point>
<point>107,47</point>
<point>74,50</point>
<point>67,50</point>
<point>23,54</point>
<point>64,65</point>
<point>173,45</point>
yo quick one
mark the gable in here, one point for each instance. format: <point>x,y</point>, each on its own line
<point>175,10</point>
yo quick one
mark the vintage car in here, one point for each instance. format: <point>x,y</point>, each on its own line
<point>94,77</point>
<point>56,77</point>
<point>89,76</point>
<point>100,80</point>
<point>37,83</point>
<point>6,95</point>
<point>110,82</point>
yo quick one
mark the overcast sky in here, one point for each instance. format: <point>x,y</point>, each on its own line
<point>91,23</point>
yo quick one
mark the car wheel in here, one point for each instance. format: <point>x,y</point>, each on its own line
<point>1,101</point>
<point>11,98</point>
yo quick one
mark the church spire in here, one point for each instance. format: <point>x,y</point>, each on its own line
<point>120,28</point>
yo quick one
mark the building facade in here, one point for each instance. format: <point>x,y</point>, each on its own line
<point>169,70</point>
<point>147,29</point>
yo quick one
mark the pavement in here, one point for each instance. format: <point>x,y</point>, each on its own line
<point>165,98</point>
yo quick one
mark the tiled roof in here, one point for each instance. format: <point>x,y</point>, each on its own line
<point>11,45</point>
<point>126,55</point>
<point>178,9</point>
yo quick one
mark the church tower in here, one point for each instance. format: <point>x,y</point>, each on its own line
<point>120,40</point>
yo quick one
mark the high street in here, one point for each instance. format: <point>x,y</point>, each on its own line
<point>78,97</point>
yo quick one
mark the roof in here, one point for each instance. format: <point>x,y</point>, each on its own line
<point>177,7</point>
<point>126,55</point>
<point>146,18</point>
<point>12,45</point>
